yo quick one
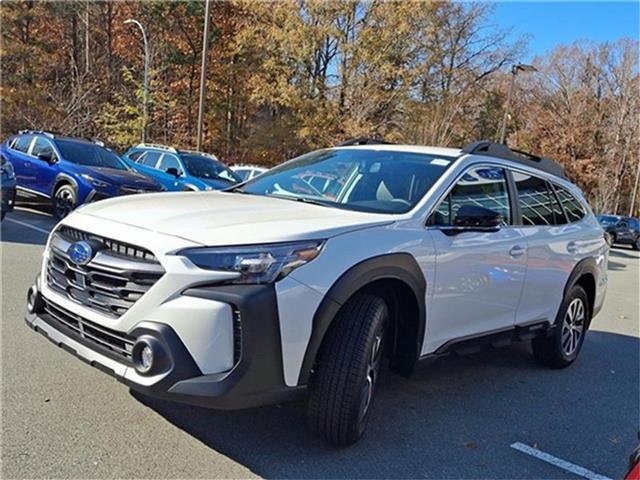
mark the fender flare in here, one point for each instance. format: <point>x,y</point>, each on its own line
<point>395,266</point>
<point>64,177</point>
<point>586,265</point>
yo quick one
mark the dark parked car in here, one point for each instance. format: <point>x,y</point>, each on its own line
<point>70,171</point>
<point>621,230</point>
<point>8,182</point>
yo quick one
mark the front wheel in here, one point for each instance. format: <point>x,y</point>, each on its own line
<point>65,200</point>
<point>636,244</point>
<point>561,348</point>
<point>343,384</point>
<point>609,238</point>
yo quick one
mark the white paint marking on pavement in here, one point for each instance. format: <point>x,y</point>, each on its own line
<point>558,462</point>
<point>24,224</point>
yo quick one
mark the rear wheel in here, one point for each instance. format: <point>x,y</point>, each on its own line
<point>562,347</point>
<point>65,200</point>
<point>342,387</point>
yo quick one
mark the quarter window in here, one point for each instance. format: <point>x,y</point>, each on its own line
<point>485,187</point>
<point>22,144</point>
<point>538,204</point>
<point>572,206</point>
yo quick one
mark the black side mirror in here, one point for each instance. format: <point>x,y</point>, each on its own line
<point>475,216</point>
<point>46,157</point>
<point>173,171</point>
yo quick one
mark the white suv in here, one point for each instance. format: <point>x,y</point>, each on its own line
<point>275,289</point>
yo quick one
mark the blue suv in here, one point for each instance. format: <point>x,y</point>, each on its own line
<point>70,171</point>
<point>181,170</point>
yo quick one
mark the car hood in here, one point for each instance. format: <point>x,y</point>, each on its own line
<point>120,177</point>
<point>214,218</point>
<point>217,184</point>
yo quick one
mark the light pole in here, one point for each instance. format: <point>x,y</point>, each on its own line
<point>515,69</point>
<point>203,74</point>
<point>145,110</point>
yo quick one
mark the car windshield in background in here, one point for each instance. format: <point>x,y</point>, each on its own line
<point>608,219</point>
<point>354,179</point>
<point>89,154</point>
<point>208,168</point>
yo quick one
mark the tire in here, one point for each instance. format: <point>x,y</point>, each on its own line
<point>347,370</point>
<point>561,348</point>
<point>65,200</point>
<point>636,244</point>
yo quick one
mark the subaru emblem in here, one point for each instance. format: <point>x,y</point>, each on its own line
<point>80,253</point>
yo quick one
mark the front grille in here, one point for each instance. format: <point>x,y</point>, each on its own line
<point>118,275</point>
<point>115,344</point>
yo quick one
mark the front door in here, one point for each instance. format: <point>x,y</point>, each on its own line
<point>479,275</point>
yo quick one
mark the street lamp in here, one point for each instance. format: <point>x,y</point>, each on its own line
<point>145,111</point>
<point>515,69</point>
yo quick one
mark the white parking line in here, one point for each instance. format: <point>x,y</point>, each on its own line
<point>558,462</point>
<point>24,224</point>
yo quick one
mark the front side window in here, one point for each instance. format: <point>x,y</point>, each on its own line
<point>377,181</point>
<point>538,204</point>
<point>208,168</point>
<point>22,143</point>
<point>243,173</point>
<point>481,187</point>
<point>571,205</point>
<point>169,161</point>
<point>89,154</point>
<point>42,146</point>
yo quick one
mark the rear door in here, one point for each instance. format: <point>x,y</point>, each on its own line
<point>19,157</point>
<point>553,244</point>
<point>479,274</point>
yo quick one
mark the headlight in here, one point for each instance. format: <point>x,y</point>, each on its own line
<point>94,181</point>
<point>255,264</point>
<point>7,169</point>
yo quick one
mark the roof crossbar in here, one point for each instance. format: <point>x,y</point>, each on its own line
<point>499,150</point>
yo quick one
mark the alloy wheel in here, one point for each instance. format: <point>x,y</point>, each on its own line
<point>373,371</point>
<point>573,327</point>
<point>64,202</point>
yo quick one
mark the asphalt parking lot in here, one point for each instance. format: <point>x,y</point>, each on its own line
<point>457,418</point>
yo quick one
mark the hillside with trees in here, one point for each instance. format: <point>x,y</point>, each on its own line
<point>287,77</point>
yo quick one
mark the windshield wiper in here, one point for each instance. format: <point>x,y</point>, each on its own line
<point>310,201</point>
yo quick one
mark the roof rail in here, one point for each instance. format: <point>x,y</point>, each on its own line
<point>499,150</point>
<point>196,152</point>
<point>36,132</point>
<point>158,146</point>
<point>363,141</point>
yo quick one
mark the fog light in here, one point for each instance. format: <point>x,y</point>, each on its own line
<point>34,300</point>
<point>146,358</point>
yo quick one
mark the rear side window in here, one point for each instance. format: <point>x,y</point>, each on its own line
<point>22,143</point>
<point>484,186</point>
<point>572,206</point>
<point>538,204</point>
<point>150,159</point>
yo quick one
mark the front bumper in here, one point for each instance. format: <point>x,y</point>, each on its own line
<point>255,379</point>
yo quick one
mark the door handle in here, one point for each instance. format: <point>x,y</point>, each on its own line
<point>572,247</point>
<point>517,251</point>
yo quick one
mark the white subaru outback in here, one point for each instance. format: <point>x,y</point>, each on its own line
<point>303,280</point>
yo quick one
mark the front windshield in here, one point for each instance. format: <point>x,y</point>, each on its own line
<point>365,180</point>
<point>208,168</point>
<point>89,154</point>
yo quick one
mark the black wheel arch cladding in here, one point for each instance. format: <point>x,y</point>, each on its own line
<point>585,267</point>
<point>400,267</point>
